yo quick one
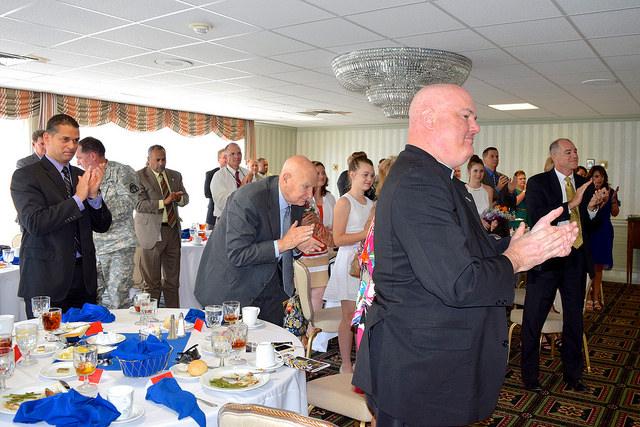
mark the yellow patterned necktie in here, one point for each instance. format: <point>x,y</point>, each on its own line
<point>574,214</point>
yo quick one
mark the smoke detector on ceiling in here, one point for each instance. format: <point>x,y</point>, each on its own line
<point>200,28</point>
<point>174,62</point>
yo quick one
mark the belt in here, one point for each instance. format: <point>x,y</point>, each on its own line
<point>165,224</point>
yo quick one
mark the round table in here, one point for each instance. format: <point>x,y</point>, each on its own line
<point>286,388</point>
<point>10,303</point>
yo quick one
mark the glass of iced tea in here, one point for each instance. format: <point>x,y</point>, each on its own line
<point>51,321</point>
<point>231,311</point>
<point>239,333</point>
<point>138,301</point>
<point>85,360</point>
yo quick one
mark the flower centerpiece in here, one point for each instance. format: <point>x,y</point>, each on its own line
<point>497,220</point>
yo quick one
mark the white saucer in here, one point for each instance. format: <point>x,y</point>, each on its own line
<point>50,372</point>
<point>184,375</point>
<point>279,363</point>
<point>106,338</point>
<point>48,350</point>
<point>136,412</point>
<point>259,324</point>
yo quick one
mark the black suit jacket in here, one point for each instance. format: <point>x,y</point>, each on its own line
<point>544,194</point>
<point>502,197</point>
<point>239,260</point>
<point>26,161</point>
<point>49,221</point>
<point>434,351</point>
<point>207,193</point>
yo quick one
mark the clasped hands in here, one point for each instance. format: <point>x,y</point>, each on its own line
<point>300,237</point>
<point>89,183</point>
<point>544,241</point>
<point>599,198</point>
<point>173,196</point>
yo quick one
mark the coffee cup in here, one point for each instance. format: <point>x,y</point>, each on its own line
<point>265,355</point>
<point>250,315</point>
<point>121,396</point>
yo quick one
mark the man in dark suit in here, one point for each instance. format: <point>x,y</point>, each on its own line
<point>249,257</point>
<point>559,187</point>
<point>59,206</point>
<point>503,187</point>
<point>157,226</point>
<point>434,349</point>
<point>37,142</point>
<point>222,161</point>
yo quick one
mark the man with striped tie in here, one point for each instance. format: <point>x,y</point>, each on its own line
<point>157,226</point>
<point>229,178</point>
<point>59,206</point>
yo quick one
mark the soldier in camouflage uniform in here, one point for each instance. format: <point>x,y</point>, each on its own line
<point>115,248</point>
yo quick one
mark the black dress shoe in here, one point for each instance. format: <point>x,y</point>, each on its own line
<point>576,386</point>
<point>535,387</point>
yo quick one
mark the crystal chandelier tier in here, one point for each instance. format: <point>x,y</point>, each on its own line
<point>391,76</point>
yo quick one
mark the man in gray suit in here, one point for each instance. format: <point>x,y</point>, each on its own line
<point>157,226</point>
<point>249,257</point>
<point>39,150</point>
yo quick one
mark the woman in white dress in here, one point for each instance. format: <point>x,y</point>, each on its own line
<point>482,194</point>
<point>350,223</point>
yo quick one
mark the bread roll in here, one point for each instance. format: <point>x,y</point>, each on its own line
<point>197,368</point>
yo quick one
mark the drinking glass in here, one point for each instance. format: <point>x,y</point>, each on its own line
<point>39,305</point>
<point>193,231</point>
<point>7,255</point>
<point>221,345</point>
<point>213,316</point>
<point>231,311</point>
<point>239,332</point>
<point>7,364</point>
<point>138,300</point>
<point>148,310</point>
<point>6,343</point>
<point>85,360</point>
<point>27,339</point>
<point>51,321</point>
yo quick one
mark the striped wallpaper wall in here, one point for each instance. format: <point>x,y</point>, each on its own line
<point>275,143</point>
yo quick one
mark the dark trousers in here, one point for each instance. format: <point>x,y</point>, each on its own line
<point>160,267</point>
<point>76,297</point>
<point>569,278</point>
<point>270,302</point>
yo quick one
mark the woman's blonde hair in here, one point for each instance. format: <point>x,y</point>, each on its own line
<point>383,171</point>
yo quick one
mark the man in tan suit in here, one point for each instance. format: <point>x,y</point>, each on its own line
<point>157,226</point>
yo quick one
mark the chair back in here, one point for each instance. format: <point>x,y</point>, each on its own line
<point>250,415</point>
<point>17,240</point>
<point>302,280</point>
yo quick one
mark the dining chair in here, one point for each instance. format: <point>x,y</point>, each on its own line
<point>251,415</point>
<point>335,393</point>
<point>326,319</point>
<point>553,324</point>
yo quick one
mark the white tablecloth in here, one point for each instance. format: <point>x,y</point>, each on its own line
<point>10,303</point>
<point>190,255</point>
<point>286,388</point>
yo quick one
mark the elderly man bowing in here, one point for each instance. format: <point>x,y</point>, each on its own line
<point>249,257</point>
<point>434,350</point>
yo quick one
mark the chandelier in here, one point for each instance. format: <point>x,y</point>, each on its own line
<point>391,76</point>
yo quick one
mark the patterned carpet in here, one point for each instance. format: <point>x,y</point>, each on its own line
<point>613,397</point>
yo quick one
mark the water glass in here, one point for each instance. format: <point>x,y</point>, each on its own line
<point>40,305</point>
<point>7,255</point>
<point>138,301</point>
<point>231,311</point>
<point>27,340</point>
<point>239,334</point>
<point>221,345</point>
<point>213,316</point>
<point>7,365</point>
<point>85,360</point>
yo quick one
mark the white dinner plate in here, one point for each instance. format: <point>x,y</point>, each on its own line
<point>136,412</point>
<point>279,363</point>
<point>57,387</point>
<point>231,372</point>
<point>64,355</point>
<point>104,349</point>
<point>44,350</point>
<point>259,324</point>
<point>51,372</point>
<point>184,375</point>
<point>106,338</point>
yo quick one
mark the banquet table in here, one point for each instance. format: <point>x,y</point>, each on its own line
<point>190,255</point>
<point>10,303</point>
<point>285,389</point>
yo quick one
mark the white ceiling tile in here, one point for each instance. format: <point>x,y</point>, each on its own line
<point>489,58</point>
<point>454,41</point>
<point>261,66</point>
<point>332,32</point>
<point>307,59</point>
<point>222,26</point>
<point>173,79</point>
<point>81,74</point>
<point>303,77</point>
<point>527,86</point>
<point>66,59</point>
<point>149,60</point>
<point>122,69</point>
<point>568,107</point>
<point>212,53</point>
<point>264,43</point>
<point>620,63</point>
<point>530,32</point>
<point>66,17</point>
<point>497,74</point>
<point>17,48</point>
<point>586,6</point>
<point>41,68</point>
<point>368,45</point>
<point>8,73</point>
<point>213,72</point>
<point>218,87</point>
<point>342,7</point>
<point>615,46</point>
<point>131,10</point>
<point>259,82</point>
<point>552,52</point>
<point>146,37</point>
<point>101,48</point>
<point>569,67</point>
<point>489,12</point>
<point>578,77</point>
<point>408,20</point>
<point>25,32</point>
<point>608,24</point>
<point>269,14</point>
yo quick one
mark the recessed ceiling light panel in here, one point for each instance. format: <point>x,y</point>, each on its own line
<point>512,107</point>
<point>174,62</point>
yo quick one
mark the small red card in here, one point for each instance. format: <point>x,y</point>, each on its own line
<point>95,377</point>
<point>159,377</point>
<point>94,328</point>
<point>17,354</point>
<point>198,325</point>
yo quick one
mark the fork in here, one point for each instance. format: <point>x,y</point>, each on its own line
<point>206,402</point>
<point>65,384</point>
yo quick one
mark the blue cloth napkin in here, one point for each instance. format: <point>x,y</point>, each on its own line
<point>89,313</point>
<point>68,409</point>
<point>193,314</point>
<point>178,345</point>
<point>141,350</point>
<point>167,392</point>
